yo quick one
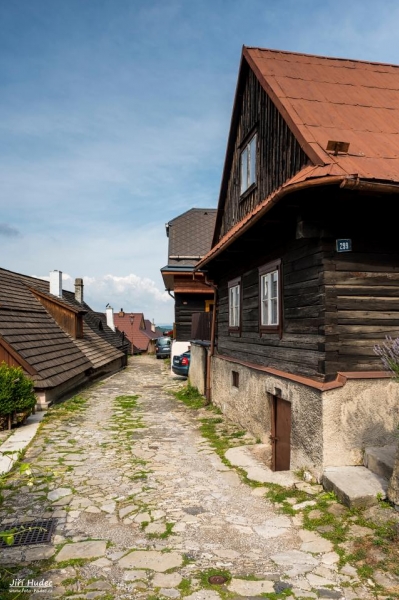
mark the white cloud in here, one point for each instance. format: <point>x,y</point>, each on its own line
<point>130,292</point>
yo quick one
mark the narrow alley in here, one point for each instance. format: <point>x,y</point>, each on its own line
<point>146,509</point>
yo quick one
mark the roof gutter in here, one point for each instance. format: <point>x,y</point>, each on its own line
<point>263,208</point>
<point>344,182</point>
<point>369,186</point>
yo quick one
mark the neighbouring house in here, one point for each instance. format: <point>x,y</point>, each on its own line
<point>54,335</point>
<point>190,237</point>
<point>305,257</point>
<point>140,332</point>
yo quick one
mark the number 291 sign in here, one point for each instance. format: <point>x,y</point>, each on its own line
<point>343,245</point>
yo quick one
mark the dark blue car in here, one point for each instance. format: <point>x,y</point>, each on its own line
<point>181,364</point>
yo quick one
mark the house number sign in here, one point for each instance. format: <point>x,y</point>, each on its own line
<point>344,245</point>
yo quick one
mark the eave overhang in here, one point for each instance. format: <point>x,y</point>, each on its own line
<point>309,177</point>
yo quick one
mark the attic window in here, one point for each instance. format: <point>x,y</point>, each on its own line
<point>248,165</point>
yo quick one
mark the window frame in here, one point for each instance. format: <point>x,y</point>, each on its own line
<point>266,269</point>
<point>235,283</point>
<point>246,151</point>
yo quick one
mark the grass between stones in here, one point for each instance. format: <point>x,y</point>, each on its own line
<point>190,396</point>
<point>377,551</point>
<point>76,404</point>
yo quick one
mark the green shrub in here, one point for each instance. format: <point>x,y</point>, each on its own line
<point>16,391</point>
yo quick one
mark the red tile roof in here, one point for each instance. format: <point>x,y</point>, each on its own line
<point>136,328</point>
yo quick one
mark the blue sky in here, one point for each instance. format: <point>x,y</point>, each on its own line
<point>114,116</point>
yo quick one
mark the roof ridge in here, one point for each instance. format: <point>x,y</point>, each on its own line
<point>307,54</point>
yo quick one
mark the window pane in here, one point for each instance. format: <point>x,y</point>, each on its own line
<point>269,299</point>
<point>252,161</point>
<point>234,306</point>
<point>274,285</point>
<point>244,170</point>
<point>265,287</point>
<point>264,313</point>
<point>274,312</point>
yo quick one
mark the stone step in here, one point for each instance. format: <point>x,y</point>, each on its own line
<point>380,460</point>
<point>355,487</point>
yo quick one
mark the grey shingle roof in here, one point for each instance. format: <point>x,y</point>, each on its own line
<point>190,235</point>
<point>27,327</point>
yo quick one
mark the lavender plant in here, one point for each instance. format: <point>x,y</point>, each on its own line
<point>388,351</point>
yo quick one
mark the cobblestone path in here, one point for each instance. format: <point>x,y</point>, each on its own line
<point>146,509</point>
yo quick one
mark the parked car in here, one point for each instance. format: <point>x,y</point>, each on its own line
<point>181,364</point>
<point>162,347</point>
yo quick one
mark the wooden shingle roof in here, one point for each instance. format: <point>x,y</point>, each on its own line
<point>26,327</point>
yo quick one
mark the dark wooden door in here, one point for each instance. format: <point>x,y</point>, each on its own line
<point>281,434</point>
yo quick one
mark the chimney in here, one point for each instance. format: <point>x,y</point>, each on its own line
<point>79,290</point>
<point>153,326</point>
<point>56,283</point>
<point>109,311</point>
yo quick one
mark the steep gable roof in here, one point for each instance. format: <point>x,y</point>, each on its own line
<point>326,99</point>
<point>28,329</point>
<point>323,99</point>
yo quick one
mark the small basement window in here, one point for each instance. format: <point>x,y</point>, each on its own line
<point>235,379</point>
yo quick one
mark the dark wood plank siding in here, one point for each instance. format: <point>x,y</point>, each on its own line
<point>185,306</point>
<point>362,307</point>
<point>279,156</point>
<point>300,348</point>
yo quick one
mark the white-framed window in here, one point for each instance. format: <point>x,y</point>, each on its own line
<point>234,303</point>
<point>270,296</point>
<point>248,164</point>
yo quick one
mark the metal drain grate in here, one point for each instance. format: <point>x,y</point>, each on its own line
<point>31,532</point>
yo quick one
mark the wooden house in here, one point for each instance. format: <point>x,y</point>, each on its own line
<point>59,341</point>
<point>305,257</point>
<point>190,235</point>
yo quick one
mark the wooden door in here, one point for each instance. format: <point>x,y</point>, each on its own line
<point>281,434</point>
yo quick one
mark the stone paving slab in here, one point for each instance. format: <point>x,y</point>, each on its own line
<point>18,440</point>
<point>145,505</point>
<point>81,550</point>
<point>355,486</point>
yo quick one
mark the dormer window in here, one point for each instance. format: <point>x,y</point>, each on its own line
<point>248,165</point>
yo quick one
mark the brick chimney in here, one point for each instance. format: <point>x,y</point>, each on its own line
<point>56,283</point>
<point>79,290</point>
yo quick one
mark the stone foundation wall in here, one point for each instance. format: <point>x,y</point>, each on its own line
<point>197,373</point>
<point>365,412</point>
<point>329,428</point>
